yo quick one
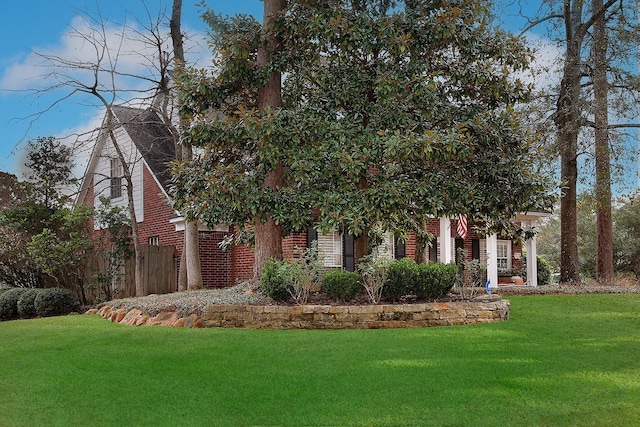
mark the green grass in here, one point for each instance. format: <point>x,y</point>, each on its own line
<point>560,360</point>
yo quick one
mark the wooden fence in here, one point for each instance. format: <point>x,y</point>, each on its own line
<point>159,276</point>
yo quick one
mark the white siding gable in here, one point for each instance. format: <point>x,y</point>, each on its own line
<point>102,171</point>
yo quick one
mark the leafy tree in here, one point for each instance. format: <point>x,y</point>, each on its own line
<point>62,253</point>
<point>28,208</point>
<point>598,78</point>
<point>627,237</point>
<point>49,164</point>
<point>393,112</point>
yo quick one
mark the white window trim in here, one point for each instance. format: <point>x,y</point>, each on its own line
<point>330,249</point>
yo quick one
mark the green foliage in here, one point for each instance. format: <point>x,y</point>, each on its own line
<point>544,271</point>
<point>276,280</point>
<point>472,275</point>
<point>294,278</point>
<point>425,281</point>
<point>26,303</point>
<point>373,271</point>
<point>424,93</point>
<point>62,253</point>
<point>626,237</point>
<point>436,279</point>
<point>50,166</point>
<point>9,303</point>
<point>55,302</point>
<point>114,244</point>
<point>341,285</point>
<point>402,279</point>
<point>28,208</point>
<point>305,269</point>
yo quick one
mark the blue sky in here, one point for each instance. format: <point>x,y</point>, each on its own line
<point>44,25</point>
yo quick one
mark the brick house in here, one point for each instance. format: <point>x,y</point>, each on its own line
<point>148,146</point>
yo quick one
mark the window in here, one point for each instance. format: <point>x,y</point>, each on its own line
<point>154,240</point>
<point>386,249</point>
<point>116,178</point>
<point>504,256</point>
<point>330,248</point>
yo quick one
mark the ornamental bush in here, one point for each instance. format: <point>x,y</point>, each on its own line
<point>402,279</point>
<point>26,303</point>
<point>341,285</point>
<point>435,279</point>
<point>276,279</point>
<point>544,270</point>
<point>9,303</point>
<point>55,302</point>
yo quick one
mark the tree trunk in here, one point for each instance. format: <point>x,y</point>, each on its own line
<point>567,120</point>
<point>268,236</point>
<point>192,273</point>
<point>604,235</point>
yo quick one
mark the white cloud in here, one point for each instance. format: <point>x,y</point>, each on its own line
<point>129,51</point>
<point>546,68</point>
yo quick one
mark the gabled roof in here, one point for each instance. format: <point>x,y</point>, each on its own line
<point>152,138</point>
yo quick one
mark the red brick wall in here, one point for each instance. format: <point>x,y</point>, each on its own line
<point>293,241</point>
<point>241,263</point>
<point>157,214</point>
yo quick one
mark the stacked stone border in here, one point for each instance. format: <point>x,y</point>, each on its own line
<point>484,309</point>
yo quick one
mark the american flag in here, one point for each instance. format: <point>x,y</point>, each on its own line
<point>462,226</point>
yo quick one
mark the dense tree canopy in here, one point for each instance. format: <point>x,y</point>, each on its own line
<point>394,111</point>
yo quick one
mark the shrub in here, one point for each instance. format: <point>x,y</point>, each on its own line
<point>544,271</point>
<point>295,278</point>
<point>304,273</point>
<point>55,302</point>
<point>341,285</point>
<point>401,280</point>
<point>374,275</point>
<point>276,280</point>
<point>435,279</point>
<point>26,303</point>
<point>9,303</point>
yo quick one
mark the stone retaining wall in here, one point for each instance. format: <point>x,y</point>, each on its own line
<point>481,310</point>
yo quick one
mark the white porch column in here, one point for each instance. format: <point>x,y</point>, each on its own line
<point>445,240</point>
<point>532,259</point>
<point>492,260</point>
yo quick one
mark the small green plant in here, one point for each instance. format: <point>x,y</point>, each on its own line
<point>296,278</point>
<point>341,285</point>
<point>544,271</point>
<point>9,303</point>
<point>305,273</point>
<point>26,303</point>
<point>55,302</point>
<point>401,280</point>
<point>472,276</point>
<point>275,280</point>
<point>435,279</point>
<point>374,275</point>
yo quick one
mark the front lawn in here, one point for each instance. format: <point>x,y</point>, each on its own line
<point>560,360</point>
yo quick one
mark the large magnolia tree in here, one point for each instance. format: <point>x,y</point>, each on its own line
<point>393,111</point>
